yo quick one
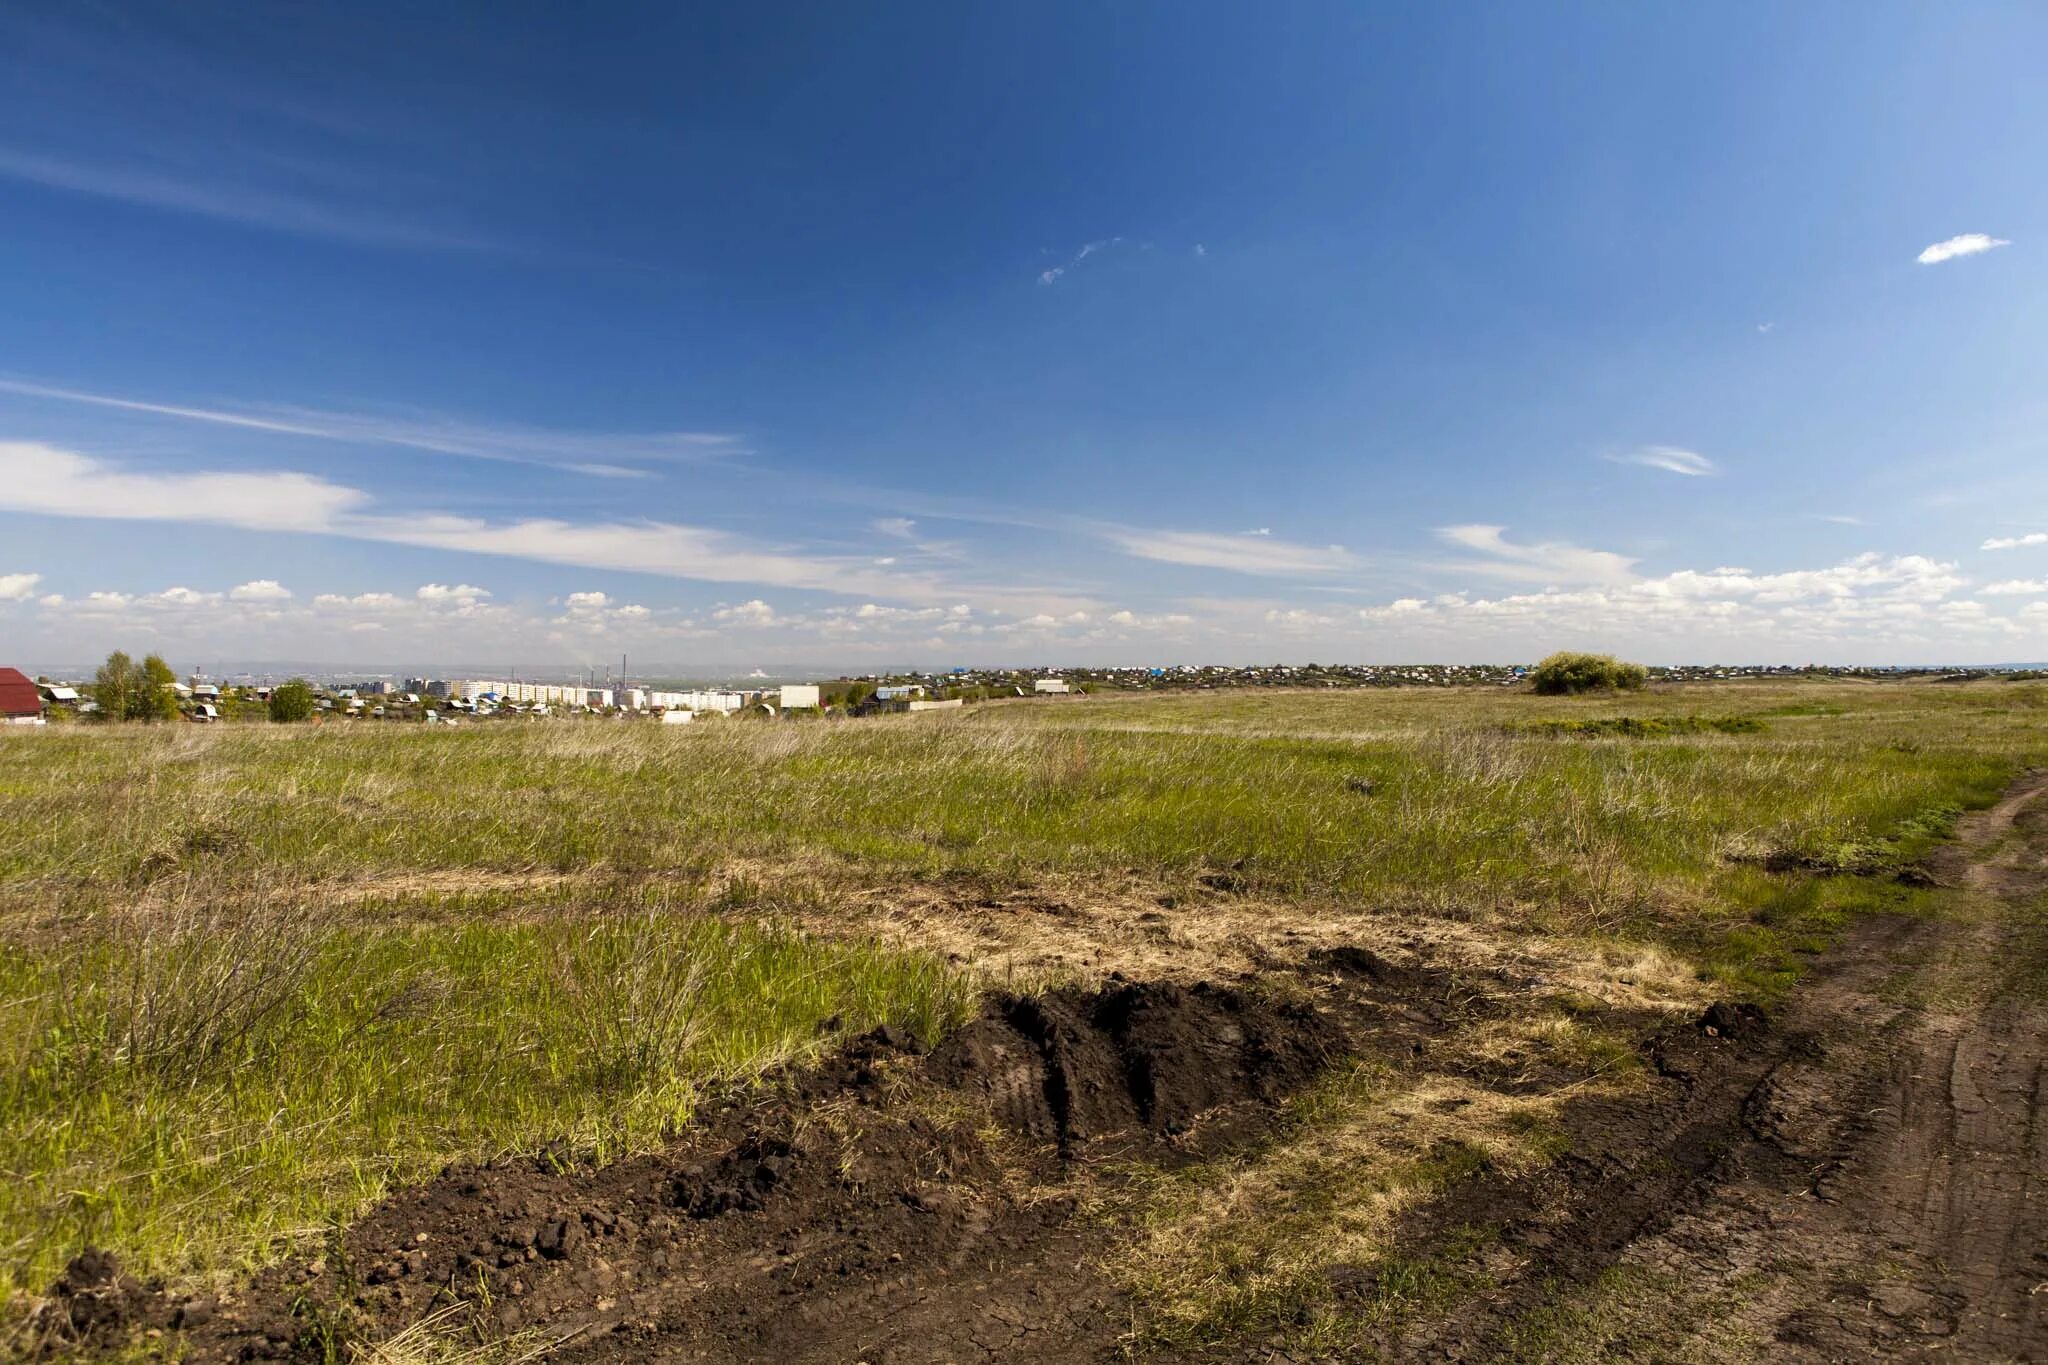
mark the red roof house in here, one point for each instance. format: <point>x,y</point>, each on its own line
<point>19,698</point>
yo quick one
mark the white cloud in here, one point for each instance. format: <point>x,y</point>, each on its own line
<point>462,593</point>
<point>902,528</point>
<point>50,481</point>
<point>1250,554</point>
<point>586,600</point>
<point>2015,587</point>
<point>45,479</point>
<point>1053,274</point>
<point>2015,542</point>
<point>590,453</point>
<point>260,590</point>
<point>1550,562</point>
<point>362,601</point>
<point>1968,244</point>
<point>750,613</point>
<point>1398,609</point>
<point>17,587</point>
<point>1672,459</point>
<point>1870,599</point>
<point>1838,518</point>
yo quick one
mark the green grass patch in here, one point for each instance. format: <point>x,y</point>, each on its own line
<point>455,997</point>
<point>191,1089</point>
<point>1642,727</point>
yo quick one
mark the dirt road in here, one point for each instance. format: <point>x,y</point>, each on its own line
<point>1887,1196</point>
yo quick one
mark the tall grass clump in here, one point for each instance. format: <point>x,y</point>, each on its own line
<point>190,1086</point>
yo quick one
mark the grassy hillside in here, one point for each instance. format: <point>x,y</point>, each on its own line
<point>251,975</point>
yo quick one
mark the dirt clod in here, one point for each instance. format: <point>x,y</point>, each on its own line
<point>1734,1021</point>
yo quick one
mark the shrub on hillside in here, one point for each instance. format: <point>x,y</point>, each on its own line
<point>291,702</point>
<point>1567,674</point>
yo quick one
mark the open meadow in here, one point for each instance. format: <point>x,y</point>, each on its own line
<point>1414,961</point>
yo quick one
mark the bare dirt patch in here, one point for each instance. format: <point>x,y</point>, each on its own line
<point>1864,1179</point>
<point>898,1204</point>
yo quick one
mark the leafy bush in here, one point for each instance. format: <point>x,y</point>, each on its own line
<point>1567,674</point>
<point>291,702</point>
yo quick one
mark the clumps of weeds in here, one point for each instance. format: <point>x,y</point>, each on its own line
<point>1881,855</point>
<point>1064,767</point>
<point>1360,785</point>
<point>454,1334</point>
<point>197,985</point>
<point>629,999</point>
<point>1641,727</point>
<point>208,841</point>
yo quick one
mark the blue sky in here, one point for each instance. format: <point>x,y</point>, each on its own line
<point>1069,333</point>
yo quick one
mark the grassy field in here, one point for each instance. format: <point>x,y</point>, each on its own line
<point>250,976</point>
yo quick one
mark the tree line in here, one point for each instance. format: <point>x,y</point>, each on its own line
<point>126,689</point>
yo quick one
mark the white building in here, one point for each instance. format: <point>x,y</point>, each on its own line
<point>797,696</point>
<point>723,702</point>
<point>1053,685</point>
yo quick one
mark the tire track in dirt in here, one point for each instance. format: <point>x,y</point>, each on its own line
<point>1887,1195</point>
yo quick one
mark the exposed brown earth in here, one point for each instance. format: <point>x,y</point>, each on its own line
<point>1859,1177</point>
<point>1891,1199</point>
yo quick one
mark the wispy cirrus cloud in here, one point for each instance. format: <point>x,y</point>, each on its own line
<point>591,453</point>
<point>1253,553</point>
<point>1967,244</point>
<point>1671,459</point>
<point>182,191</point>
<point>1545,562</point>
<point>38,478</point>
<point>2015,542</point>
<point>1053,274</point>
<point>2015,587</point>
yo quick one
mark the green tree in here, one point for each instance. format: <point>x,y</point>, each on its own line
<point>1567,674</point>
<point>292,701</point>
<point>154,695</point>
<point>112,684</point>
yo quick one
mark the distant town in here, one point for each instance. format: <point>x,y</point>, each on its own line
<point>345,695</point>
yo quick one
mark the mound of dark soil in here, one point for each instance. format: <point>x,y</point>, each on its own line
<point>1067,1068</point>
<point>861,1210</point>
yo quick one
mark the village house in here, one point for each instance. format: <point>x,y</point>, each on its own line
<point>21,703</point>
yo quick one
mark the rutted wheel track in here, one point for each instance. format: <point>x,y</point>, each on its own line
<point>1879,1192</point>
